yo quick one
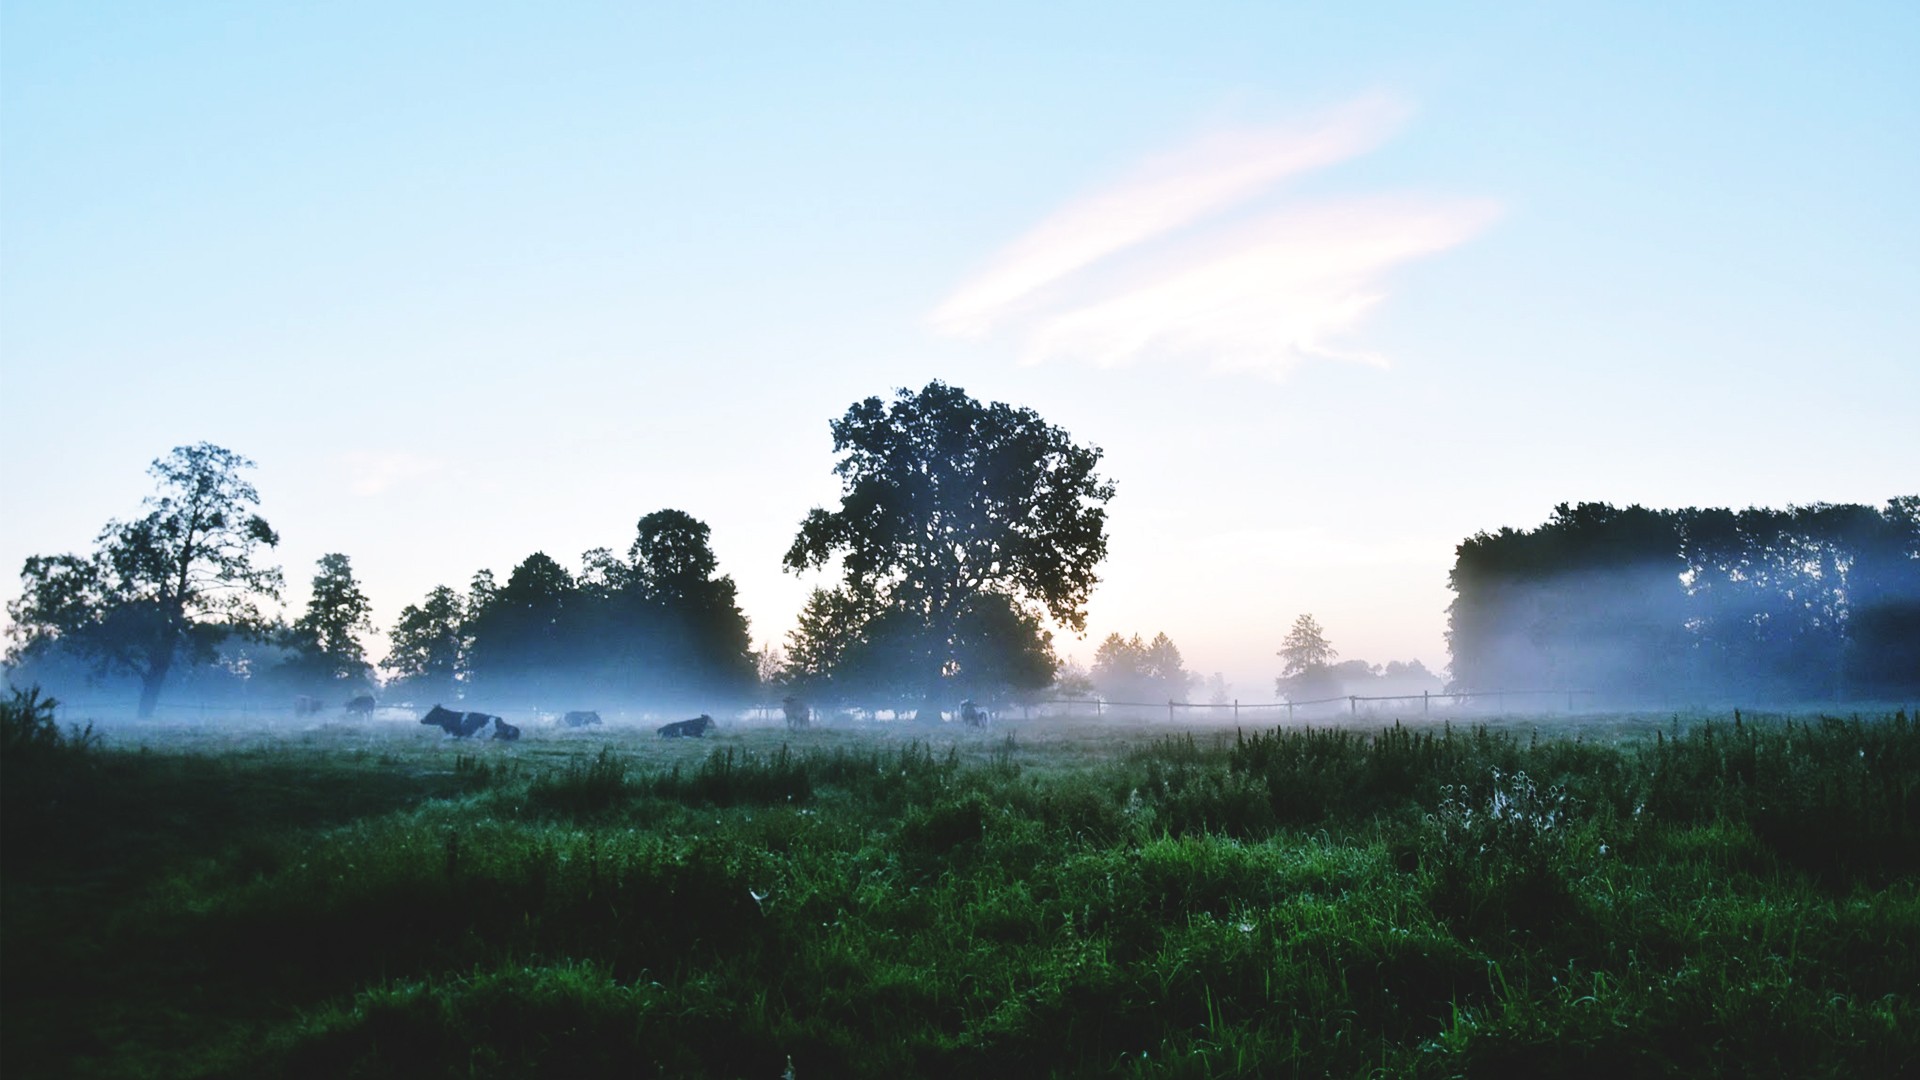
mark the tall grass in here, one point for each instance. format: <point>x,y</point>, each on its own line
<point>1402,902</point>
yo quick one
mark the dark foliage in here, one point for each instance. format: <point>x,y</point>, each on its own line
<point>959,523</point>
<point>662,625</point>
<point>1815,602</point>
<point>1452,903</point>
<point>167,587</point>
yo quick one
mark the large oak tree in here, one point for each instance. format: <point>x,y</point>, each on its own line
<point>945,501</point>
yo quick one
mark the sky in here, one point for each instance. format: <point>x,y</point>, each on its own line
<point>1333,287</point>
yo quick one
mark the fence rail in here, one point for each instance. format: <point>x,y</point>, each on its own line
<point>1096,706</point>
<point>1426,700</point>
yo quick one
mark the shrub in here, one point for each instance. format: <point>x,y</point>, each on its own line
<point>743,779</point>
<point>582,789</point>
<point>28,729</point>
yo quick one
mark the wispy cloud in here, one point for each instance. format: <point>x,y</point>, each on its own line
<point>1140,271</point>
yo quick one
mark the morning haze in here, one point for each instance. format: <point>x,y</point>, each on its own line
<point>856,539</point>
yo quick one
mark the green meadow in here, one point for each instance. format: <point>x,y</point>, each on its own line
<point>1687,896</point>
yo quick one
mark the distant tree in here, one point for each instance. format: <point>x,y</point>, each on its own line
<point>519,638</point>
<point>428,644</point>
<point>1071,680</point>
<point>1810,601</point>
<point>1219,691</point>
<point>672,556</point>
<point>1884,620</point>
<point>1167,669</point>
<point>1129,670</point>
<point>325,640</point>
<point>481,591</point>
<point>166,587</point>
<point>1305,648</point>
<point>1308,672</point>
<point>665,627</point>
<point>944,500</point>
<point>603,574</point>
<point>1119,670</point>
<point>698,640</point>
<point>828,631</point>
<point>1408,677</point>
<point>770,666</point>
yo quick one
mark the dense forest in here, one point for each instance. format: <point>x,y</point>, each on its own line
<point>1813,602</point>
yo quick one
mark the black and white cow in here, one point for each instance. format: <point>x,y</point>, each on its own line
<point>461,725</point>
<point>687,729</point>
<point>580,718</point>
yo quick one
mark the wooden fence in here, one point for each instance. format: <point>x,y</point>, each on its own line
<point>1098,706</point>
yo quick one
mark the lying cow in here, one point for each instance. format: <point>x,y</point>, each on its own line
<point>798,715</point>
<point>580,719</point>
<point>461,725</point>
<point>687,729</point>
<point>361,706</point>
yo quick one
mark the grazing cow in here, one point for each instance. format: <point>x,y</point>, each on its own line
<point>580,719</point>
<point>361,706</point>
<point>687,729</point>
<point>504,731</point>
<point>306,706</point>
<point>457,724</point>
<point>973,715</point>
<point>798,715</point>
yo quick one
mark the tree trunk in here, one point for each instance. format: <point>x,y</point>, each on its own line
<point>152,679</point>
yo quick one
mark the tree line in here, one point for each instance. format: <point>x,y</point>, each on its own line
<point>178,596</point>
<point>661,624</point>
<point>1818,601</point>
<point>962,527</point>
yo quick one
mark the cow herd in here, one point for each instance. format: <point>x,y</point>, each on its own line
<point>466,725</point>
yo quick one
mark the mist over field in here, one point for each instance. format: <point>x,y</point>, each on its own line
<point>1598,609</point>
<point>993,540</point>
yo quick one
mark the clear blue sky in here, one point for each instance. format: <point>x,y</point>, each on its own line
<point>1334,286</point>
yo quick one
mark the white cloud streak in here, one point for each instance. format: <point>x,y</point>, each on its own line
<point>1277,292</point>
<point>1139,272</point>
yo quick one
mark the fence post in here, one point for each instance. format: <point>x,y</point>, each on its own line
<point>1353,705</point>
<point>1236,710</point>
<point>1169,710</point>
<point>1423,703</point>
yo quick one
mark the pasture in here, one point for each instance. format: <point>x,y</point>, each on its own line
<point>1604,896</point>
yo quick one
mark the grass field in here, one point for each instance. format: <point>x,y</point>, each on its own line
<point>1595,897</point>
